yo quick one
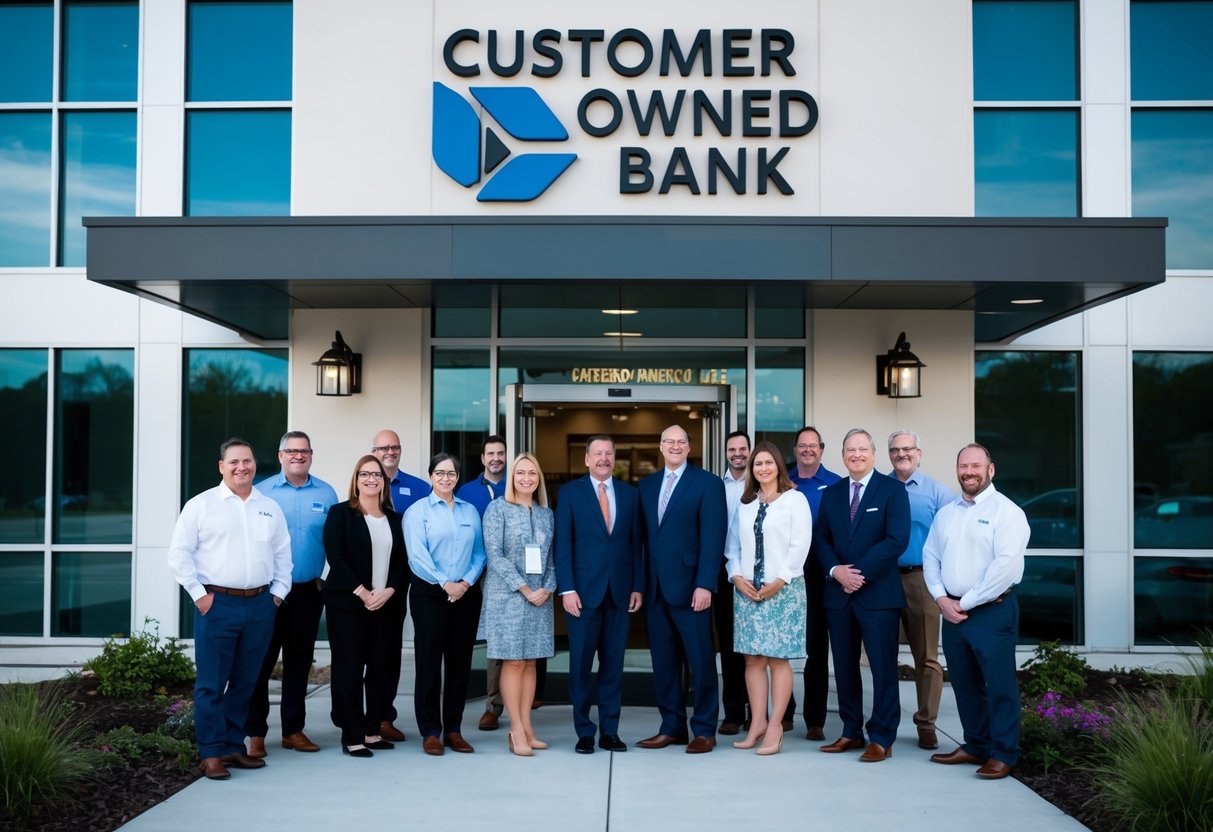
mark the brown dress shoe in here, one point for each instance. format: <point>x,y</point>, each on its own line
<point>875,752</point>
<point>927,738</point>
<point>993,770</point>
<point>241,760</point>
<point>256,747</point>
<point>456,742</point>
<point>956,757</point>
<point>536,704</point>
<point>842,744</point>
<point>661,741</point>
<point>390,732</point>
<point>788,724</point>
<point>701,745</point>
<point>433,746</point>
<point>213,769</point>
<point>815,732</point>
<point>729,728</point>
<point>298,741</point>
<point>489,721</point>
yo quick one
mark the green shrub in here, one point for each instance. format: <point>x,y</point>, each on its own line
<point>1057,669</point>
<point>138,665</point>
<point>1055,732</point>
<point>126,743</point>
<point>1198,685</point>
<point>40,757</point>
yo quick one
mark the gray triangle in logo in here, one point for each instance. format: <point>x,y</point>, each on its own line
<point>495,150</point>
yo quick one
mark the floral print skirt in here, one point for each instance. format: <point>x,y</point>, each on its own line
<point>773,628</point>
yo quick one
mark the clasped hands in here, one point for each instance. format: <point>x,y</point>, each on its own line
<point>538,597</point>
<point>767,592</point>
<point>374,599</point>
<point>455,590</point>
<point>848,577</point>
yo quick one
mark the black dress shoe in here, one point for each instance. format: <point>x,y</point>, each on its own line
<point>358,752</point>
<point>585,745</point>
<point>611,742</point>
<point>381,745</point>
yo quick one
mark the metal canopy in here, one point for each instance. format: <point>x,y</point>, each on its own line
<point>247,273</point>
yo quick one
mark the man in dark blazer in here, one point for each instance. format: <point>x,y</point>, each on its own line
<point>600,576</point>
<point>685,520</point>
<point>862,527</point>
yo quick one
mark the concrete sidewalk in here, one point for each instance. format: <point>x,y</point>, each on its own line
<point>557,789</point>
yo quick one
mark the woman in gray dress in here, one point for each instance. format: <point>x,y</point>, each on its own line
<point>518,589</point>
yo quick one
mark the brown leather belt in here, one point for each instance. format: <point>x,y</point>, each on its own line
<point>997,600</point>
<point>239,593</point>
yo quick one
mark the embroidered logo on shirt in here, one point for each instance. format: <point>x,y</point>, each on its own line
<point>318,507</point>
<point>984,522</point>
<point>265,514</point>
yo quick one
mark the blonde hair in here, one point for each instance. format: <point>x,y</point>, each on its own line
<point>541,492</point>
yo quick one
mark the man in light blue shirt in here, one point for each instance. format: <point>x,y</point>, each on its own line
<point>920,617</point>
<point>305,502</point>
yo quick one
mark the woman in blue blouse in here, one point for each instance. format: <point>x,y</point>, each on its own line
<point>446,556</point>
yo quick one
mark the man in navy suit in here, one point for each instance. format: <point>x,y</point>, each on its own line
<point>600,575</point>
<point>862,527</point>
<point>685,521</point>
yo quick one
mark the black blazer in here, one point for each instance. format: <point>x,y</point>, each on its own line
<point>347,547</point>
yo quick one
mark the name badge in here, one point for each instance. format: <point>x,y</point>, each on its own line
<point>405,491</point>
<point>318,507</point>
<point>534,559</point>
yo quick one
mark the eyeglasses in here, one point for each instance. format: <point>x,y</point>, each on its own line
<point>296,451</point>
<point>383,449</point>
<point>370,475</point>
<point>808,446</point>
<point>860,450</point>
<point>902,450</point>
<point>681,443</point>
<point>445,475</point>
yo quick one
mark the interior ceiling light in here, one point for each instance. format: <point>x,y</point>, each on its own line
<point>1026,301</point>
<point>620,334</point>
<point>619,311</point>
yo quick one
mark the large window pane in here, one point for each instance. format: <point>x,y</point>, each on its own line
<point>461,405</point>
<point>94,446</point>
<point>239,51</point>
<point>1026,163</point>
<point>1173,442</point>
<point>1173,178</point>
<point>1025,51</point>
<point>231,393</point>
<point>1172,599</point>
<point>1170,50</point>
<point>100,51</point>
<point>27,40</point>
<point>91,594</point>
<point>21,576</point>
<point>779,390</point>
<point>25,195</point>
<point>1027,414</point>
<point>1050,600</point>
<point>23,476</point>
<point>238,163</point>
<point>97,176</point>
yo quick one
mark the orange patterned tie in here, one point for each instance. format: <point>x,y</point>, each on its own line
<point>605,505</point>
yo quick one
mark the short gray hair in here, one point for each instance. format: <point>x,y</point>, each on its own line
<point>854,431</point>
<point>907,432</point>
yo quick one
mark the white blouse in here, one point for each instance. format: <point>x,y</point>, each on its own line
<point>787,531</point>
<point>381,549</point>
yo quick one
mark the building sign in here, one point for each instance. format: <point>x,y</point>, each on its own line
<point>649,375</point>
<point>760,104</point>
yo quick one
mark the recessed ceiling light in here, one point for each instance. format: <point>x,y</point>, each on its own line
<point>1026,301</point>
<point>619,311</point>
<point>623,334</point>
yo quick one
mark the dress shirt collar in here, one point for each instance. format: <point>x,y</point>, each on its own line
<point>609,482</point>
<point>279,480</point>
<point>728,477</point>
<point>433,499</point>
<point>677,472</point>
<point>989,491</point>
<point>863,482</point>
<point>225,493</point>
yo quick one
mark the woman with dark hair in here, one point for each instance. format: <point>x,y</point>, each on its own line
<point>766,551</point>
<point>446,555</point>
<point>364,546</point>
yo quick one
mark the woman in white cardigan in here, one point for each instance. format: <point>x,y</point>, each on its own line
<point>766,552</point>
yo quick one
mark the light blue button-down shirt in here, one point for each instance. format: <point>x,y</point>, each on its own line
<point>444,543</point>
<point>304,508</point>
<point>927,497</point>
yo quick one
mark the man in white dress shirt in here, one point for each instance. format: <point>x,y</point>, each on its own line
<point>732,664</point>
<point>231,551</point>
<point>973,556</point>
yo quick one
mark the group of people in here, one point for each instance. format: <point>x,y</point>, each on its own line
<point>776,576</point>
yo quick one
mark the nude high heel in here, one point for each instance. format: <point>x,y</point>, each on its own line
<point>521,750</point>
<point>768,750</point>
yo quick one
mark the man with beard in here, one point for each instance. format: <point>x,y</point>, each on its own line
<point>732,664</point>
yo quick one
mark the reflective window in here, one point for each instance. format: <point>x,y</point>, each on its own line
<point>622,311</point>
<point>100,51</point>
<point>779,393</point>
<point>462,311</point>
<point>239,51</point>
<point>1172,599</point>
<point>1025,51</point>
<point>94,446</point>
<point>238,163</point>
<point>1173,433</point>
<point>1028,415</point>
<point>1169,50</point>
<point>1173,178</point>
<point>91,594</point>
<point>462,387</point>
<point>97,178</point>
<point>1026,163</point>
<point>27,42</point>
<point>21,575</point>
<point>23,375</point>
<point>231,393</point>
<point>779,310</point>
<point>25,196</point>
<point>1050,600</point>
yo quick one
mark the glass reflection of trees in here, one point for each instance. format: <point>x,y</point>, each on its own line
<point>23,378</point>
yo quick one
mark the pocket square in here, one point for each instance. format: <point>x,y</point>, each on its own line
<point>874,508</point>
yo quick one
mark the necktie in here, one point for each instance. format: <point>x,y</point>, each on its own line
<point>605,505</point>
<point>855,500</point>
<point>665,496</point>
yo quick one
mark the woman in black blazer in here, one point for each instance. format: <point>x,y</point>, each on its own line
<point>364,546</point>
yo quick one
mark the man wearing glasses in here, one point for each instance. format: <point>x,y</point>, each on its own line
<point>685,518</point>
<point>305,502</point>
<point>405,490</point>
<point>920,618</point>
<point>811,479</point>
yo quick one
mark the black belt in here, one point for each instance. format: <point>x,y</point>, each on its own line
<point>906,570</point>
<point>997,600</point>
<point>239,593</point>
